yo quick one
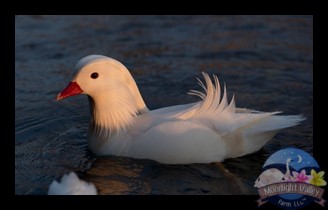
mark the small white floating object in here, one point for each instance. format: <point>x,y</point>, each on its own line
<point>210,130</point>
<point>71,185</point>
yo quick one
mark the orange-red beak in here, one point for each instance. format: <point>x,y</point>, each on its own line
<point>72,89</point>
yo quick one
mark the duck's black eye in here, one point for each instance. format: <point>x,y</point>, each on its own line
<point>94,75</point>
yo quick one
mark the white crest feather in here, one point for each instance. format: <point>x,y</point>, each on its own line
<point>211,101</point>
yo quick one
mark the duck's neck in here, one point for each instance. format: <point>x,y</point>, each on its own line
<point>111,116</point>
<point>113,111</point>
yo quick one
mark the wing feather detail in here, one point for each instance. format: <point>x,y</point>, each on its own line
<point>211,100</point>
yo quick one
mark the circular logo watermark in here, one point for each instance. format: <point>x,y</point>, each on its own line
<point>290,179</point>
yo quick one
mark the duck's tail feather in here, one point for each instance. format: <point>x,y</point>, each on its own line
<point>276,122</point>
<point>255,135</point>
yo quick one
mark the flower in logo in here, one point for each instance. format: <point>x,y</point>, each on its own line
<point>317,178</point>
<point>301,177</point>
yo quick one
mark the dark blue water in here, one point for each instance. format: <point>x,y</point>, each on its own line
<point>265,61</point>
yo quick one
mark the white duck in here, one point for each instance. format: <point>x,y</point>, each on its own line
<point>210,130</point>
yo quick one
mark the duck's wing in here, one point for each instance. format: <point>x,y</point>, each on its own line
<point>221,114</point>
<point>247,128</point>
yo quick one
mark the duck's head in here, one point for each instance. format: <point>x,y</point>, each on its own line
<point>95,73</point>
<point>99,76</point>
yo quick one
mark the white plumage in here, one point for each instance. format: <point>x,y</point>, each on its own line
<point>71,185</point>
<point>210,130</point>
